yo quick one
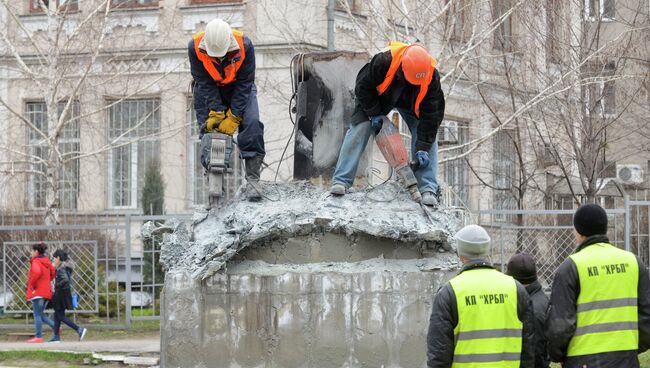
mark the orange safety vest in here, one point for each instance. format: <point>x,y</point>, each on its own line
<point>230,70</point>
<point>397,52</point>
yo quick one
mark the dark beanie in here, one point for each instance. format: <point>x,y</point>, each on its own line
<point>522,267</point>
<point>590,219</point>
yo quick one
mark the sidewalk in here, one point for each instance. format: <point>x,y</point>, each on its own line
<point>144,345</point>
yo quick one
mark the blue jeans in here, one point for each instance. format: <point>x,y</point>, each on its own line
<point>355,143</point>
<point>38,306</point>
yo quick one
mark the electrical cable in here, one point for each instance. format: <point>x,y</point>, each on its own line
<point>294,92</point>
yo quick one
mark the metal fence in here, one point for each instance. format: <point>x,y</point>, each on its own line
<point>117,275</point>
<point>119,279</point>
<point>548,235</point>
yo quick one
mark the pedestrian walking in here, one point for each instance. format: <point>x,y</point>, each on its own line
<point>39,288</point>
<point>62,299</point>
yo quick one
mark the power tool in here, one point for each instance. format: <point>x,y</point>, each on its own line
<point>392,147</point>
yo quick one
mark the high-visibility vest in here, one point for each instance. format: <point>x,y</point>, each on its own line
<point>229,70</point>
<point>397,52</point>
<point>488,334</point>
<point>607,315</point>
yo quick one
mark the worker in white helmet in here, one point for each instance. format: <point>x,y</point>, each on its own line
<point>222,63</point>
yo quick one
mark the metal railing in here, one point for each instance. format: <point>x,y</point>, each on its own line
<point>548,235</point>
<point>117,275</point>
<point>119,278</point>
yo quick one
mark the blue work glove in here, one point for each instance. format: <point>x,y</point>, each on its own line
<point>376,122</point>
<point>423,159</point>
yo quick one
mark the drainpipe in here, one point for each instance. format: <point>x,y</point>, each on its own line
<point>330,25</point>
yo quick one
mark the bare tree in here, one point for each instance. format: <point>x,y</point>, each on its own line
<point>68,51</point>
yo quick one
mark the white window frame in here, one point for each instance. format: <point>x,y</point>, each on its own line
<point>133,183</point>
<point>601,103</point>
<point>495,196</point>
<point>601,11</point>
<point>192,140</point>
<point>133,179</point>
<point>31,190</point>
<point>461,127</point>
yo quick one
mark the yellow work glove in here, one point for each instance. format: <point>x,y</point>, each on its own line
<point>230,124</point>
<point>214,119</point>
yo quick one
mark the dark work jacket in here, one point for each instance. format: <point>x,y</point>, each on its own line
<point>561,320</point>
<point>540,306</point>
<point>209,96</point>
<point>400,94</point>
<point>444,318</point>
<point>62,298</point>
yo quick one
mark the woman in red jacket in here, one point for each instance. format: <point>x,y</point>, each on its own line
<point>39,288</point>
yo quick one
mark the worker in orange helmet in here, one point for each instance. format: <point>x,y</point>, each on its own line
<point>403,77</point>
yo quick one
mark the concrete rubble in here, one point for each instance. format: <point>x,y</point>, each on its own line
<point>299,209</point>
<point>304,279</point>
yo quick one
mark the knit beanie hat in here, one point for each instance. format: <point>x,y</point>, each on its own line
<point>590,219</point>
<point>472,242</point>
<point>522,267</point>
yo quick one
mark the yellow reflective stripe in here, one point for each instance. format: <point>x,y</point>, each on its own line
<point>604,304</point>
<point>606,327</point>
<point>486,334</point>
<point>486,358</point>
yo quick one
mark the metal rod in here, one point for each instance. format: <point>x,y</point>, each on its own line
<point>127,255</point>
<point>330,25</point>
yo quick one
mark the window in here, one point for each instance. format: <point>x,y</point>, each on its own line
<point>198,188</point>
<point>503,34</point>
<point>601,95</point>
<point>455,20</point>
<point>133,3</point>
<point>454,133</point>
<point>215,1</point>
<point>554,13</point>
<point>600,9</point>
<point>36,6</point>
<point>68,146</point>
<point>504,169</point>
<point>133,126</point>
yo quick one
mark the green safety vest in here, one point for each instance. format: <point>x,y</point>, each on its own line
<point>607,315</point>
<point>488,333</point>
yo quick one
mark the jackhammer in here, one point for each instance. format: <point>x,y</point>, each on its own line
<point>391,146</point>
<point>216,151</point>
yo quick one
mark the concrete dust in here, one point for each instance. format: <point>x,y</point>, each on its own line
<point>386,212</point>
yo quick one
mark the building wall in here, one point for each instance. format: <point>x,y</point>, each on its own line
<point>144,55</point>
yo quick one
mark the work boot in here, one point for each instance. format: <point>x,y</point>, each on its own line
<point>338,189</point>
<point>429,199</point>
<point>253,168</point>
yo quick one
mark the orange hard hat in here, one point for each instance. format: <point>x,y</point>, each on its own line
<point>417,65</point>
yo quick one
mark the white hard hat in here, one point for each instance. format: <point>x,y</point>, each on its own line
<point>218,36</point>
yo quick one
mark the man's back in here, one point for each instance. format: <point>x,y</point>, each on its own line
<point>540,306</point>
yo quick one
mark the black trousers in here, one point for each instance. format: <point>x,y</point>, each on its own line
<point>59,316</point>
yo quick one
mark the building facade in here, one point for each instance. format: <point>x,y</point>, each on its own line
<point>117,73</point>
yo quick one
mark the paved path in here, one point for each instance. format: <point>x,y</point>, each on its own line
<point>144,345</point>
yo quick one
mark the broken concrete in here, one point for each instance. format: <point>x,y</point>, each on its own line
<point>309,280</point>
<point>299,209</point>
